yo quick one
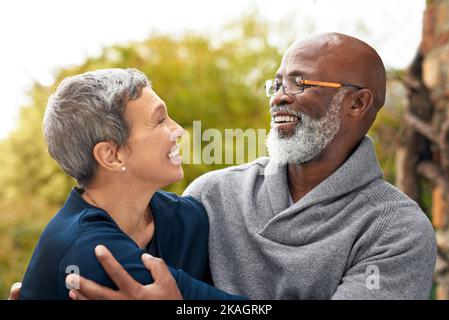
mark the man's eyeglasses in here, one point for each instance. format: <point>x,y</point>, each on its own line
<point>296,84</point>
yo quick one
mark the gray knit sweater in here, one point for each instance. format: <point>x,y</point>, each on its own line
<point>354,236</point>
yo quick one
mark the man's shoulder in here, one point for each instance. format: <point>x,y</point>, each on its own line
<point>398,234</point>
<point>381,193</point>
<point>230,176</point>
<point>242,169</point>
<point>396,210</point>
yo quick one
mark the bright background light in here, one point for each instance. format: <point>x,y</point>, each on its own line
<point>38,37</point>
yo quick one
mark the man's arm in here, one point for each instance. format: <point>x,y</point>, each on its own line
<point>201,185</point>
<point>398,265</point>
<point>164,286</point>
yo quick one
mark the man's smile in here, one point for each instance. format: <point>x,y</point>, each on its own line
<point>285,122</point>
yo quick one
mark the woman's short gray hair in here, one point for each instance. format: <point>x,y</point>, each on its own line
<point>87,109</point>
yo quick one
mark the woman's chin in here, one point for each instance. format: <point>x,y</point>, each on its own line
<point>171,177</point>
<point>180,174</point>
<point>176,174</point>
<point>166,173</point>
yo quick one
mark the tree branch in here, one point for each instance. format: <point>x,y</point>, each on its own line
<point>444,147</point>
<point>433,173</point>
<point>421,127</point>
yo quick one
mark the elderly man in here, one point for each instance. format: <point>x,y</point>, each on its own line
<point>315,220</point>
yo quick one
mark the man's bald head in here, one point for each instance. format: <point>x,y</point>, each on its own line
<point>342,58</point>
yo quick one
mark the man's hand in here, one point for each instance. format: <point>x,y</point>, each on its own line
<point>15,291</point>
<point>163,288</point>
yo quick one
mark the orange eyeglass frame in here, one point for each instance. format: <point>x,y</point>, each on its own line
<point>301,82</point>
<point>328,84</point>
<point>322,83</point>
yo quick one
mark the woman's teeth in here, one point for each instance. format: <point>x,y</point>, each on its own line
<point>174,152</point>
<point>174,155</point>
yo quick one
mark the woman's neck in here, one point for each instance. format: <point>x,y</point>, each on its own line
<point>129,207</point>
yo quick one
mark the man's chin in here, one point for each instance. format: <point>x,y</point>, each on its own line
<point>282,154</point>
<point>285,130</point>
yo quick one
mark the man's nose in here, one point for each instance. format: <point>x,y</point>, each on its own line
<point>280,98</point>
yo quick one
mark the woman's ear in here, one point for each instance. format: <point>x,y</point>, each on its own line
<point>362,101</point>
<point>107,155</point>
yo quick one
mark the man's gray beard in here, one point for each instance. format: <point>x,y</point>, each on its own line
<point>310,137</point>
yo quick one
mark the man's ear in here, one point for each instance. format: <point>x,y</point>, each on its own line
<point>107,155</point>
<point>362,101</point>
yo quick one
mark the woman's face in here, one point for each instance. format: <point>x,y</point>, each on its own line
<point>152,153</point>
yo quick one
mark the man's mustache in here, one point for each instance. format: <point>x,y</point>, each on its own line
<point>286,109</point>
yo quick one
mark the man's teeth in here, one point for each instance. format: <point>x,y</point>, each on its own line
<point>278,119</point>
<point>174,152</point>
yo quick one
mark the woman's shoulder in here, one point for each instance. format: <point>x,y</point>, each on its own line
<point>97,227</point>
<point>79,225</point>
<point>66,226</point>
<point>70,229</point>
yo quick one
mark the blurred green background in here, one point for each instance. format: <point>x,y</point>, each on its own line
<point>200,78</point>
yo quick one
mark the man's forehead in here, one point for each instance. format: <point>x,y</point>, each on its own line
<point>301,61</point>
<point>311,57</point>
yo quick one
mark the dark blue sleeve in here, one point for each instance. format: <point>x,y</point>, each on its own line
<point>97,229</point>
<point>193,289</point>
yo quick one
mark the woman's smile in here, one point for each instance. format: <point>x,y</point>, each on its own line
<point>174,155</point>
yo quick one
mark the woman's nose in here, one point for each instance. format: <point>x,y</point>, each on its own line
<point>176,133</point>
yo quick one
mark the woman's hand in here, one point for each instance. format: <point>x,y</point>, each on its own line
<point>163,288</point>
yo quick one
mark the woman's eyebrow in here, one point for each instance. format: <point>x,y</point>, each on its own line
<point>158,108</point>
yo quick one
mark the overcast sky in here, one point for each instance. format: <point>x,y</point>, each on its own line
<point>38,37</point>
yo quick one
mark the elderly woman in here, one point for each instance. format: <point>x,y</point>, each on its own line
<point>110,131</point>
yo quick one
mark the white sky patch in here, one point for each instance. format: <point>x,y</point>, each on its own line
<point>39,37</point>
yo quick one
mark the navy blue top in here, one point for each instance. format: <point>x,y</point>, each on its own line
<point>67,245</point>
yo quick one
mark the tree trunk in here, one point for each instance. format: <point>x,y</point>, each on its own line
<point>424,148</point>
<point>413,147</point>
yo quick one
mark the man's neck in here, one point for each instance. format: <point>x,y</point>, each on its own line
<point>302,178</point>
<point>128,206</point>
